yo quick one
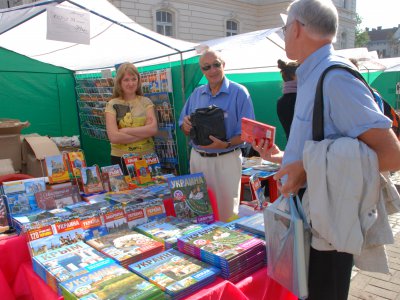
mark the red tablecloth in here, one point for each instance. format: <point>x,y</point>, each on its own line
<point>19,282</point>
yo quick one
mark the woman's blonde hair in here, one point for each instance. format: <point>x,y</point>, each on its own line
<point>122,70</point>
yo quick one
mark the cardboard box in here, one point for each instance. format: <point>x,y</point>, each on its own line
<point>11,148</point>
<point>12,126</point>
<point>34,150</point>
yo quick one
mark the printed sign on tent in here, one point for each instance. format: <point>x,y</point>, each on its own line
<point>68,25</point>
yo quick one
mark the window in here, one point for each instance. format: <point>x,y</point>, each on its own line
<point>343,41</point>
<point>164,23</point>
<point>231,28</point>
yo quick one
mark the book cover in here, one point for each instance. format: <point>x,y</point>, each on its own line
<point>116,177</point>
<point>56,168</point>
<point>218,243</point>
<point>253,130</point>
<point>4,221</point>
<point>20,195</point>
<point>154,209</point>
<point>58,197</point>
<point>107,280</point>
<point>135,215</point>
<point>253,224</point>
<point>92,225</point>
<point>114,219</point>
<point>76,161</point>
<point>126,247</point>
<point>190,196</point>
<point>168,230</point>
<point>258,190</point>
<point>129,160</point>
<point>153,163</point>
<point>91,180</point>
<point>175,272</point>
<point>142,171</point>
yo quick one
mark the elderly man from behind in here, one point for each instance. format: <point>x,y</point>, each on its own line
<point>220,162</point>
<point>349,112</point>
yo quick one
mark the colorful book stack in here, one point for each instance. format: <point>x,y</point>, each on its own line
<point>253,224</point>
<point>236,254</point>
<point>107,280</point>
<point>175,273</point>
<point>64,263</point>
<point>168,230</point>
<point>126,247</point>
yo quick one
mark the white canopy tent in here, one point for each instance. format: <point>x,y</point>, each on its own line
<point>114,38</point>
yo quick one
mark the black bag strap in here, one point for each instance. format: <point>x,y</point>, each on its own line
<point>318,112</point>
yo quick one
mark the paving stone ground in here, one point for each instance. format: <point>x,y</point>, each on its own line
<point>377,286</point>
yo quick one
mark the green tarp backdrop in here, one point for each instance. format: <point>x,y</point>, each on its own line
<point>45,96</point>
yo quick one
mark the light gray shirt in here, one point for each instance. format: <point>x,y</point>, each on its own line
<point>349,107</point>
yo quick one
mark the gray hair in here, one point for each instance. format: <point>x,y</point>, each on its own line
<point>319,16</point>
<point>217,54</point>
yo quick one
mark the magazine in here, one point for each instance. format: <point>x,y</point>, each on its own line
<point>253,130</point>
<point>258,190</point>
<point>56,168</point>
<point>190,196</point>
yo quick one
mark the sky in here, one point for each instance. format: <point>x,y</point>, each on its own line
<point>374,13</point>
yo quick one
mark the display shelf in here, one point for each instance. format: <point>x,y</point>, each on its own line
<point>95,89</point>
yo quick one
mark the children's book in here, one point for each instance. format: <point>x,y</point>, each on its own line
<point>153,163</point>
<point>58,197</point>
<point>190,196</point>
<point>76,161</point>
<point>142,171</point>
<point>175,273</point>
<point>56,168</point>
<point>107,280</point>
<point>258,190</point>
<point>91,180</point>
<point>116,177</point>
<point>253,130</point>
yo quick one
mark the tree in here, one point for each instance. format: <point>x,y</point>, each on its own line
<point>362,37</point>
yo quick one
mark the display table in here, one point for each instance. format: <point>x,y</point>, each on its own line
<point>18,280</point>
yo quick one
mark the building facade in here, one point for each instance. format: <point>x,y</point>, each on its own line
<point>386,42</point>
<point>197,21</point>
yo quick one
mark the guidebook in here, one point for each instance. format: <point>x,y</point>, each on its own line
<point>107,280</point>
<point>58,197</point>
<point>91,180</point>
<point>142,171</point>
<point>56,168</point>
<point>258,190</point>
<point>76,161</point>
<point>116,177</point>
<point>253,130</point>
<point>190,196</point>
<point>175,273</point>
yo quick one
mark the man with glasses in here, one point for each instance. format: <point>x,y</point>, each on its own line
<point>349,110</point>
<point>220,162</point>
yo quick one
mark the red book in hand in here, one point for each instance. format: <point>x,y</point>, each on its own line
<point>253,130</point>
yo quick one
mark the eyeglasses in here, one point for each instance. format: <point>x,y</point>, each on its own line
<point>215,65</point>
<point>284,28</point>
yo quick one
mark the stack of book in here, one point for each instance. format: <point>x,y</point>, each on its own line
<point>175,273</point>
<point>126,247</point>
<point>232,226</point>
<point>253,224</point>
<point>168,230</point>
<point>64,263</point>
<point>236,254</point>
<point>107,280</point>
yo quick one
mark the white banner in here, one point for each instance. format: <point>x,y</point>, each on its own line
<point>68,25</point>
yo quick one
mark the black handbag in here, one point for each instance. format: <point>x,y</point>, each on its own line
<point>205,122</point>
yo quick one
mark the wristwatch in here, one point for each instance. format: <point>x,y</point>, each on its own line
<point>229,144</point>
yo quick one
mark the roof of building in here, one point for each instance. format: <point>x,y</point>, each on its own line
<point>380,34</point>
